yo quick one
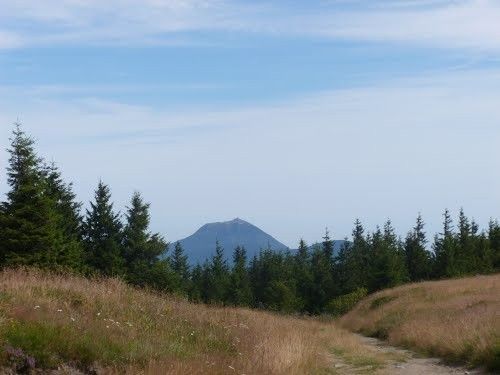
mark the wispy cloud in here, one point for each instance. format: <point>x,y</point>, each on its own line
<point>411,145</point>
<point>445,23</point>
<point>9,40</point>
<point>469,24</point>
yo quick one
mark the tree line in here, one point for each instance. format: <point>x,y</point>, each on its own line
<point>42,225</point>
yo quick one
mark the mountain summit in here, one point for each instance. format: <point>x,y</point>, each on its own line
<point>201,245</point>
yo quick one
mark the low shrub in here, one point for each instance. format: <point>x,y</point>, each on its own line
<point>342,304</point>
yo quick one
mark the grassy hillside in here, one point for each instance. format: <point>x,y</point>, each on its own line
<point>52,321</point>
<point>458,320</point>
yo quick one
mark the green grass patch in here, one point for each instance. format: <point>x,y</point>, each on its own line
<point>380,301</point>
<point>367,363</point>
<point>52,345</point>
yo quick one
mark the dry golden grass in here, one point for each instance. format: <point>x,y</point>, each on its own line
<point>458,320</point>
<point>110,327</point>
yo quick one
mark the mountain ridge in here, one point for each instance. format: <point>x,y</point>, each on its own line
<point>200,246</point>
<point>236,232</point>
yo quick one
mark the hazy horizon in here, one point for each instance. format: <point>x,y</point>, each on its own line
<point>291,116</point>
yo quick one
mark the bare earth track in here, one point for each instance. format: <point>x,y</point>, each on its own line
<point>401,361</point>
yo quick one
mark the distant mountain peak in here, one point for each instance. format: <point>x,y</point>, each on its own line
<point>238,221</point>
<point>230,234</point>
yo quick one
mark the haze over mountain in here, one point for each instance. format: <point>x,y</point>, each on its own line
<point>201,244</point>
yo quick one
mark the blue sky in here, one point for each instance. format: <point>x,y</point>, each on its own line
<point>292,115</point>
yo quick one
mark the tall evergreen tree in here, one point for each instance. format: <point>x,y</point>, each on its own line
<point>196,284</point>
<point>418,258</point>
<point>102,234</point>
<point>240,293</point>
<point>180,263</point>
<point>69,218</point>
<point>389,267</point>
<point>273,284</point>
<point>357,261</point>
<point>323,287</point>
<point>494,239</point>
<point>483,254</point>
<point>30,233</point>
<point>216,275</point>
<point>445,250</point>
<point>303,276</point>
<point>466,240</point>
<point>141,249</point>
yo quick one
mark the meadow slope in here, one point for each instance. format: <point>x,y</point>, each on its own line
<point>457,320</point>
<point>71,324</point>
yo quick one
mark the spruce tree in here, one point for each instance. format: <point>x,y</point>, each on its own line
<point>141,249</point>
<point>321,280</point>
<point>445,250</point>
<point>483,254</point>
<point>418,258</point>
<point>465,242</point>
<point>69,219</point>
<point>397,272</point>
<point>102,234</point>
<point>216,274</point>
<point>30,225</point>
<point>494,239</point>
<point>323,287</point>
<point>180,266</point>
<point>180,262</point>
<point>341,266</point>
<point>196,284</point>
<point>303,276</point>
<point>240,293</point>
<point>357,262</point>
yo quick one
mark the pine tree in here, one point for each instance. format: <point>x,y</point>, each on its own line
<point>180,262</point>
<point>465,242</point>
<point>494,239</point>
<point>323,287</point>
<point>445,250</point>
<point>357,261</point>
<point>397,272</point>
<point>102,234</point>
<point>303,276</point>
<point>30,233</point>
<point>327,246</point>
<point>273,284</point>
<point>418,258</point>
<point>69,219</point>
<point>240,293</point>
<point>196,284</point>
<point>483,254</point>
<point>216,275</point>
<point>141,249</point>
<point>341,274</point>
<point>321,280</point>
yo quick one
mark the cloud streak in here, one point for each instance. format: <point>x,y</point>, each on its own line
<point>471,24</point>
<point>395,149</point>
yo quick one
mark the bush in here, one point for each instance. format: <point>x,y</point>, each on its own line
<point>44,345</point>
<point>342,304</point>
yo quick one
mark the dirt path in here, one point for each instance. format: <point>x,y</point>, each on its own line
<point>400,361</point>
